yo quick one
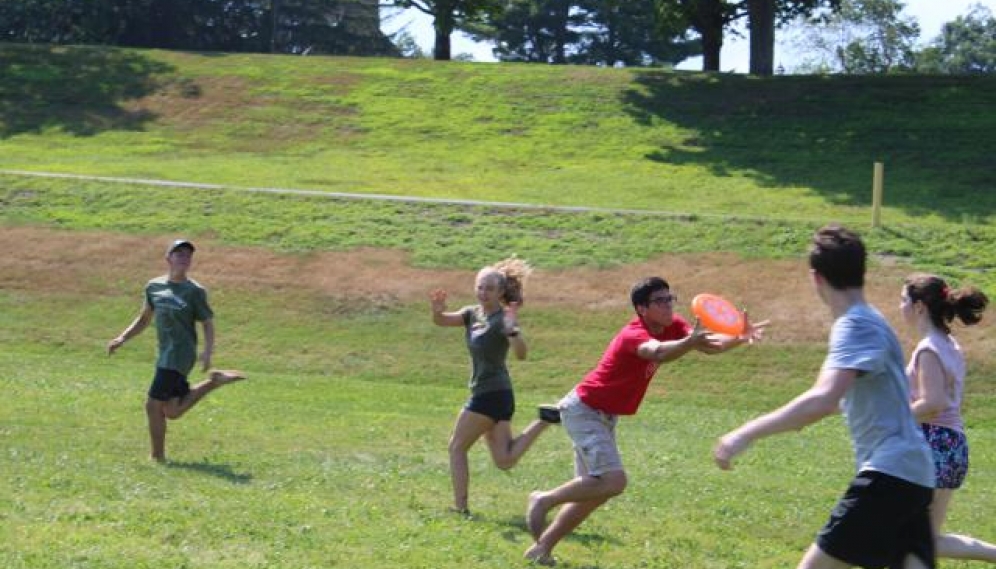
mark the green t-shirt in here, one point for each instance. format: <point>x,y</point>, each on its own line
<point>488,347</point>
<point>177,306</point>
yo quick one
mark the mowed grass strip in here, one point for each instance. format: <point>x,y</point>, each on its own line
<point>438,235</point>
<point>566,135</point>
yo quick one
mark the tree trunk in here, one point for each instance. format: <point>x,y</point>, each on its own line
<point>443,25</point>
<point>762,37</point>
<point>709,23</point>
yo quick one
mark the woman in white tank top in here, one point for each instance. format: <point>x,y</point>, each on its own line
<point>937,375</point>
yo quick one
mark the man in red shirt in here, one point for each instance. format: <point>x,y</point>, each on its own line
<point>616,387</point>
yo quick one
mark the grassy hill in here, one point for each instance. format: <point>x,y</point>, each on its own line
<point>799,147</point>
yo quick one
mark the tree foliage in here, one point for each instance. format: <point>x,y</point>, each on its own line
<point>287,26</point>
<point>710,19</point>
<point>450,15</point>
<point>966,46</point>
<point>606,32</point>
<point>862,37</point>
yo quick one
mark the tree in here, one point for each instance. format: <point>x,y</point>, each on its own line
<point>532,30</point>
<point>287,26</point>
<point>448,15</point>
<point>764,16</point>
<point>967,45</point>
<point>710,18</point>
<point>863,37</point>
<point>629,33</point>
<point>604,32</point>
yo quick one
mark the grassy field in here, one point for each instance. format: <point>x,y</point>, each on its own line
<point>333,454</point>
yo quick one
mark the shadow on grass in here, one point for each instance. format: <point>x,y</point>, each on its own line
<point>79,90</point>
<point>223,471</point>
<point>932,132</point>
<point>515,529</point>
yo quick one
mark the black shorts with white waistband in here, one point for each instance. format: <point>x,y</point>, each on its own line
<point>878,522</point>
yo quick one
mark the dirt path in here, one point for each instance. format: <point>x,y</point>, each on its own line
<point>50,261</point>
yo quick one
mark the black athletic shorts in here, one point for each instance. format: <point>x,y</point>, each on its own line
<point>168,384</point>
<point>498,405</point>
<point>880,520</point>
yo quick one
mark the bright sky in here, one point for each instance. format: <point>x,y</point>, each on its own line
<point>931,15</point>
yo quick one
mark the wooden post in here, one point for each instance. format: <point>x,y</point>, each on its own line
<point>877,181</point>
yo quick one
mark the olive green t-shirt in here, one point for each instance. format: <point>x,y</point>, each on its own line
<point>488,347</point>
<point>177,306</point>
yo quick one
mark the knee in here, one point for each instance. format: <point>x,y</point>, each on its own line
<point>458,446</point>
<point>154,408</point>
<point>615,482</point>
<point>505,463</point>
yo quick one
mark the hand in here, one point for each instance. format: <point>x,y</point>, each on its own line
<point>114,344</point>
<point>205,360</point>
<point>727,447</point>
<point>511,320</point>
<point>753,332</point>
<point>704,340</point>
<point>437,298</point>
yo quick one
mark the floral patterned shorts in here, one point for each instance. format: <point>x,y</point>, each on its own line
<point>950,448</point>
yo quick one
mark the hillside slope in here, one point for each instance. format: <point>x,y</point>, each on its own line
<point>799,147</point>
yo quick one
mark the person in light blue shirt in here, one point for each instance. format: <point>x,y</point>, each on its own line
<point>883,520</point>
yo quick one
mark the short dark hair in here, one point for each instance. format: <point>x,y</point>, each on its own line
<point>644,288</point>
<point>838,255</point>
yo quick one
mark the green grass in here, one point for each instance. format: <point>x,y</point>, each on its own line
<point>333,453</point>
<point>801,147</point>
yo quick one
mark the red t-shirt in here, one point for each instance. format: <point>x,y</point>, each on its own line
<point>620,380</point>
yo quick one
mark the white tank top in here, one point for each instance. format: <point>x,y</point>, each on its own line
<point>953,363</point>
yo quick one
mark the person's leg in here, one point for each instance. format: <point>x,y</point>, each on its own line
<point>176,407</point>
<point>585,493</point>
<point>505,450</point>
<point>816,558</point>
<point>155,411</point>
<point>955,546</point>
<point>567,520</point>
<point>469,427</point>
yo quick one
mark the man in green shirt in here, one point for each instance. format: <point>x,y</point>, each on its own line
<point>177,303</point>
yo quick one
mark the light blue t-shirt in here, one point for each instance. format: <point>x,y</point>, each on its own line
<point>885,436</point>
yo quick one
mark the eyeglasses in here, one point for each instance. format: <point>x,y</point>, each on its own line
<point>666,299</point>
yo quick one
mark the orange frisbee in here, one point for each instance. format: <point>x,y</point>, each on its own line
<point>718,314</point>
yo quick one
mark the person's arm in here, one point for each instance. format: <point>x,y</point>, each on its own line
<point>932,395</point>
<point>208,351</point>
<point>752,333</point>
<point>820,400</point>
<point>437,301</point>
<point>141,322</point>
<point>673,349</point>
<point>513,332</point>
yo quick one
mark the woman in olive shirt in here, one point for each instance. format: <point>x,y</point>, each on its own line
<point>491,328</point>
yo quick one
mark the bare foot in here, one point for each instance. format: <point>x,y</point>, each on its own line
<point>540,556</point>
<point>536,515</point>
<point>226,376</point>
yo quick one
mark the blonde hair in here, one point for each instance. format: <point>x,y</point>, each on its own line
<point>514,272</point>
